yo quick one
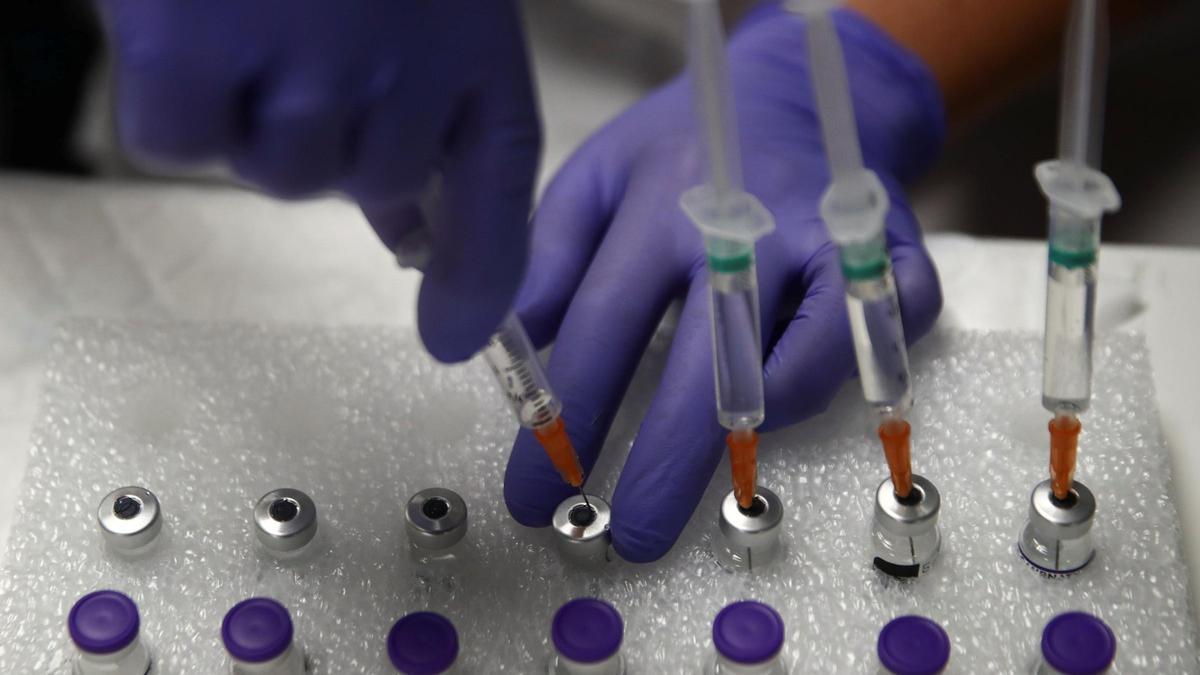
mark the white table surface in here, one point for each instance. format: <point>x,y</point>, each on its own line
<point>184,252</point>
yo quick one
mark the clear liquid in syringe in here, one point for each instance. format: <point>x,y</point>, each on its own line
<point>879,344</point>
<point>1067,369</point>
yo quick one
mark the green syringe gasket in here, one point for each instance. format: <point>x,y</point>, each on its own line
<point>864,270</point>
<point>730,264</point>
<point>1072,259</point>
<point>867,260</point>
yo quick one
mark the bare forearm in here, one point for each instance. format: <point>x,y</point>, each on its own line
<point>980,50</point>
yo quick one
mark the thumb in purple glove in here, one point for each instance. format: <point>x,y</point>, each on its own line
<point>618,251</point>
<point>371,98</point>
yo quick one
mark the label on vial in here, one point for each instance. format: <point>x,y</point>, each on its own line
<point>900,571</point>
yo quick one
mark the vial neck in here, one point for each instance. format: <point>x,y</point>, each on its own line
<point>613,665</point>
<point>290,662</point>
<point>439,556</point>
<point>134,659</point>
<point>772,666</point>
<point>1044,668</point>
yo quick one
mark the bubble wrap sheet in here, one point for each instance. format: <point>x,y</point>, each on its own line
<point>210,417</point>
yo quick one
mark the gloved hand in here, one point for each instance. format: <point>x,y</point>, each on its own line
<point>372,98</point>
<point>613,249</point>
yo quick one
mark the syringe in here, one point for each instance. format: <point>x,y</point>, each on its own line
<point>731,220</point>
<point>519,372</point>
<point>854,207</point>
<point>1078,195</point>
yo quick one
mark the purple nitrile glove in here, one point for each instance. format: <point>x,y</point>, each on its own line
<point>613,249</point>
<point>373,98</point>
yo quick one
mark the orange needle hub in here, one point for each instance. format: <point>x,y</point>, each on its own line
<point>743,458</point>
<point>1064,445</point>
<point>897,449</point>
<point>553,437</point>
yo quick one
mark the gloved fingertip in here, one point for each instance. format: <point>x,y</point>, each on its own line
<point>283,183</point>
<point>449,340</point>
<point>162,144</point>
<point>524,512</point>
<point>454,322</point>
<point>161,124</point>
<point>638,544</point>
<point>393,222</point>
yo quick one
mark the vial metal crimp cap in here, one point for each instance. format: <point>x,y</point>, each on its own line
<point>285,520</point>
<point>130,519</point>
<point>581,528</point>
<point>905,531</point>
<point>1057,538</point>
<point>750,536</point>
<point>436,519</point>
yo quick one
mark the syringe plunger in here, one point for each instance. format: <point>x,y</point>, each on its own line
<point>1085,65</point>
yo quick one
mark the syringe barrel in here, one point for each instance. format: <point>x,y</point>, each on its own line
<point>1070,311</point>
<point>737,335</point>
<point>519,372</point>
<point>876,327</point>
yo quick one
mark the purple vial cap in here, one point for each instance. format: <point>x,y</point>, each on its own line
<point>103,622</point>
<point>422,643</point>
<point>587,630</point>
<point>257,630</point>
<point>913,645</point>
<point>1077,643</point>
<point>748,632</point>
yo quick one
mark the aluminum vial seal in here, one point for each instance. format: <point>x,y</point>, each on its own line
<point>1077,643</point>
<point>435,518</point>
<point>258,634</point>
<point>1057,538</point>
<point>104,626</point>
<point>581,528</point>
<point>748,638</point>
<point>130,519</point>
<point>913,645</point>
<point>750,536</point>
<point>587,635</point>
<point>285,520</point>
<point>905,531</point>
<point>422,643</point>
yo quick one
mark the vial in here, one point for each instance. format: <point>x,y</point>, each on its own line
<point>423,643</point>
<point>258,634</point>
<point>905,532</point>
<point>748,638</point>
<point>285,522</point>
<point>587,634</point>
<point>581,529</point>
<point>913,645</point>
<point>104,627</point>
<point>748,539</point>
<point>1076,643</point>
<point>436,521</point>
<point>130,521</point>
<point>1057,538</point>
